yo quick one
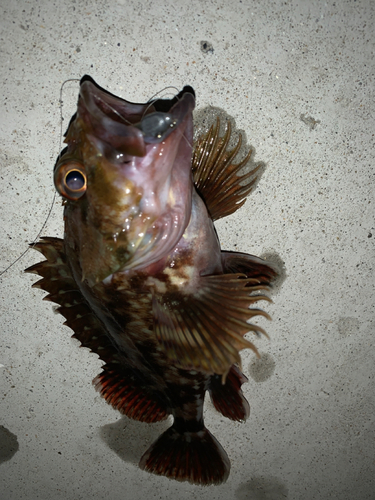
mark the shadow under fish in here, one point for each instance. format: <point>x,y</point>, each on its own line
<point>140,277</point>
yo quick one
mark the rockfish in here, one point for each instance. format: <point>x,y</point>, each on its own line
<point>140,277</point>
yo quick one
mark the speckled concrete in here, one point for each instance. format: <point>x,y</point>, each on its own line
<point>298,78</point>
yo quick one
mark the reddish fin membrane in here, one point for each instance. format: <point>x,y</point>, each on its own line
<point>228,398</point>
<point>196,457</point>
<point>121,389</point>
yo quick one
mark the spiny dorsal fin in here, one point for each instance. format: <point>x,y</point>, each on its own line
<point>205,331</point>
<point>63,290</point>
<point>117,383</point>
<point>216,178</point>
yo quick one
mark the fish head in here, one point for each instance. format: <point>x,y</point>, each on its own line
<point>126,179</point>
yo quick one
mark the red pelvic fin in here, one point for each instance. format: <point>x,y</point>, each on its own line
<point>228,398</point>
<point>123,391</point>
<point>196,457</point>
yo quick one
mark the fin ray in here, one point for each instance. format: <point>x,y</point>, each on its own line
<point>121,389</point>
<point>204,331</point>
<point>255,267</point>
<point>216,178</point>
<point>196,457</point>
<point>228,398</point>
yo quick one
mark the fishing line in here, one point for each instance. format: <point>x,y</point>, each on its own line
<point>152,99</point>
<point>122,118</point>
<point>150,102</point>
<point>54,194</point>
<point>113,110</point>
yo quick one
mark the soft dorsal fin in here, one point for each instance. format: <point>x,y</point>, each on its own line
<point>205,331</point>
<point>215,175</point>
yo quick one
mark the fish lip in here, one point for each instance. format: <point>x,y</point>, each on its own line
<point>153,211</point>
<point>128,127</point>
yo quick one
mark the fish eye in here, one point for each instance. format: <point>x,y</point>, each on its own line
<point>74,180</point>
<point>70,180</point>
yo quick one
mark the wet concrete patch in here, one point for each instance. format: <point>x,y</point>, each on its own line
<point>262,368</point>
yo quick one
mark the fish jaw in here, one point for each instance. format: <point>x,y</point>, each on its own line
<point>137,162</point>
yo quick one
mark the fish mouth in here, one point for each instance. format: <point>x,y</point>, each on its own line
<point>136,159</point>
<point>128,127</point>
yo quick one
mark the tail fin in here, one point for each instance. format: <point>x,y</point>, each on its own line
<point>197,457</point>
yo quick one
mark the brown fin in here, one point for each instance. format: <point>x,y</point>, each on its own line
<point>204,331</point>
<point>216,178</point>
<point>251,266</point>
<point>228,398</point>
<point>63,290</point>
<point>123,391</point>
<point>196,457</point>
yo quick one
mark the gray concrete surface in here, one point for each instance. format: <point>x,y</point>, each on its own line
<point>298,77</point>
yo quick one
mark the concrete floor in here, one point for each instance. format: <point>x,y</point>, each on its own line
<point>298,78</point>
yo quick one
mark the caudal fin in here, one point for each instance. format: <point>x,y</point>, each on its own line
<point>197,457</point>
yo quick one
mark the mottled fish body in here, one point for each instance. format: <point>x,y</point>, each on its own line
<point>140,276</point>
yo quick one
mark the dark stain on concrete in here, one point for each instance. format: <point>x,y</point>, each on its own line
<point>262,488</point>
<point>8,444</point>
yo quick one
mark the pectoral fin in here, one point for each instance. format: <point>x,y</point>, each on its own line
<point>205,331</point>
<point>216,177</point>
<point>251,266</point>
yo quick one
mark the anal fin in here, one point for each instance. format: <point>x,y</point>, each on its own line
<point>228,398</point>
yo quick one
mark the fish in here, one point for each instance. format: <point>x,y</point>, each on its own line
<point>140,276</point>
